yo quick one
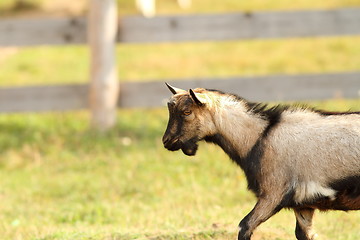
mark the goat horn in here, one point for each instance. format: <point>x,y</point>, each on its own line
<point>195,98</point>
<point>174,90</point>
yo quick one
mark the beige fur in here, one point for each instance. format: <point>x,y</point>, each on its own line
<point>317,150</point>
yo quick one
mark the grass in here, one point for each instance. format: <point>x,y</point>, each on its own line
<point>56,65</point>
<point>60,180</point>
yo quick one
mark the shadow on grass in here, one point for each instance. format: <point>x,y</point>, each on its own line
<point>203,235</point>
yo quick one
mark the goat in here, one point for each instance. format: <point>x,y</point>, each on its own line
<point>293,157</point>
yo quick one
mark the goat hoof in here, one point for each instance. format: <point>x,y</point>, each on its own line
<point>242,237</point>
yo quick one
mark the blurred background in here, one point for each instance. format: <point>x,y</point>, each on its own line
<point>64,177</point>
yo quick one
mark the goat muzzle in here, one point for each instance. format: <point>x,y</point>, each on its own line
<point>172,144</point>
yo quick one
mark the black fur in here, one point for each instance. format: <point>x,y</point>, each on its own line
<point>351,186</point>
<point>287,201</point>
<point>272,114</point>
<point>175,117</point>
<point>244,226</point>
<point>325,113</point>
<point>299,233</point>
<point>179,120</point>
<point>250,164</point>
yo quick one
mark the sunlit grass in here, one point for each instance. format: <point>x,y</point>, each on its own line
<point>245,58</point>
<point>57,65</point>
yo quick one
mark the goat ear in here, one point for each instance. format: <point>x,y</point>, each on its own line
<point>174,90</point>
<point>195,98</point>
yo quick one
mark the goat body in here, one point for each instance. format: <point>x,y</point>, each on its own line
<point>293,157</point>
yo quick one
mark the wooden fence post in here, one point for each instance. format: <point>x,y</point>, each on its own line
<point>104,86</point>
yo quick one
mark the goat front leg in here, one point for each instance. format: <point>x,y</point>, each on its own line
<point>263,210</point>
<point>303,229</point>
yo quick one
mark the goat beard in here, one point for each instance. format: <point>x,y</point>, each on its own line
<point>190,147</point>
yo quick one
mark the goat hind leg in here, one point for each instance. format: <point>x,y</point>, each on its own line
<point>303,229</point>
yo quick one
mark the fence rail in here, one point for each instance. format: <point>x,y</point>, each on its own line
<point>154,94</point>
<point>56,31</point>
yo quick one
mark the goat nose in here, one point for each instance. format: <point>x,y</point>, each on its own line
<point>165,139</point>
<point>170,141</point>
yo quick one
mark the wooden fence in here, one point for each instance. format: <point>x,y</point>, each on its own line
<point>215,27</point>
<point>153,94</point>
<point>264,25</point>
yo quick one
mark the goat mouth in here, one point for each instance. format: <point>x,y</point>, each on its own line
<point>189,147</point>
<point>174,145</point>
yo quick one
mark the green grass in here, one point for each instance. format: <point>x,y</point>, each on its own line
<point>56,65</point>
<point>60,180</point>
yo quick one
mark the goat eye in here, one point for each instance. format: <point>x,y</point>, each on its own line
<point>187,113</point>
